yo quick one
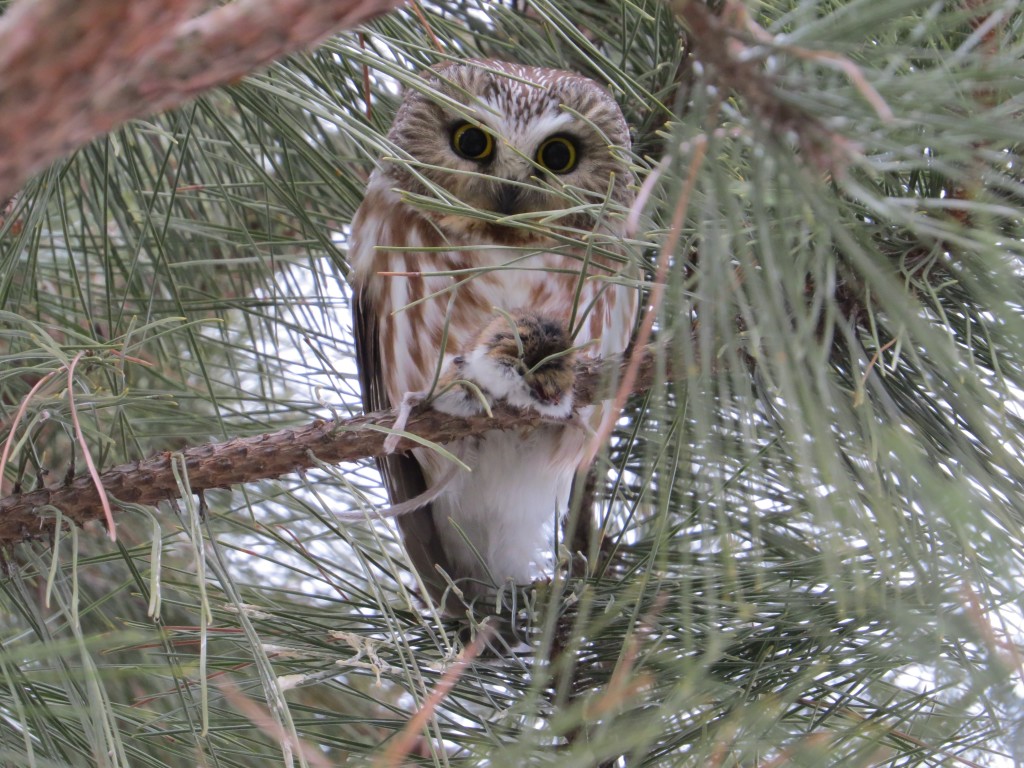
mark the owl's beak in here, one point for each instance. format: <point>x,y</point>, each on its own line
<point>508,199</point>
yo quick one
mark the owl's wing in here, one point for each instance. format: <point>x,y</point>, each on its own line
<point>401,472</point>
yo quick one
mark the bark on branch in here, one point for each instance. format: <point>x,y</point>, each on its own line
<point>272,455</point>
<point>733,49</point>
<point>72,70</point>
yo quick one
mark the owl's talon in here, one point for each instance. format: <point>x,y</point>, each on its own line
<point>409,401</point>
<point>463,398</point>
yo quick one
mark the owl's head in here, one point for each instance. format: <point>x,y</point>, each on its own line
<point>512,139</point>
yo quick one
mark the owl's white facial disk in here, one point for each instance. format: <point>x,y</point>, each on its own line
<point>516,182</point>
<point>513,143</point>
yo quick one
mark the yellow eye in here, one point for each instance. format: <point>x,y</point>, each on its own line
<point>472,143</point>
<point>558,154</point>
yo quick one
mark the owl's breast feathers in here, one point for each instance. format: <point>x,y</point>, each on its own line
<point>423,283</point>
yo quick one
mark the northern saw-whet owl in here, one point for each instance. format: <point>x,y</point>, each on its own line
<point>446,290</point>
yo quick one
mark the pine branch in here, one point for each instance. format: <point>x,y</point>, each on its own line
<point>726,44</point>
<point>268,456</point>
<point>71,70</point>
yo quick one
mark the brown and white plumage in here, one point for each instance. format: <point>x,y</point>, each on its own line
<point>522,358</point>
<point>421,277</point>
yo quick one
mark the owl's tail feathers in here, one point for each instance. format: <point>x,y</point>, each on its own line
<point>409,505</point>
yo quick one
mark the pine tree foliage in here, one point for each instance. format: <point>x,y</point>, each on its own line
<point>813,520</point>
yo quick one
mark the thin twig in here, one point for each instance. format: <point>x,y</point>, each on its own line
<point>665,260</point>
<point>402,744</point>
<point>90,465</point>
<point>18,416</point>
<point>720,42</point>
<point>261,718</point>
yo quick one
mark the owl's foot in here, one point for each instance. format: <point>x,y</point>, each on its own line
<point>523,358</point>
<point>405,409</point>
<point>456,396</point>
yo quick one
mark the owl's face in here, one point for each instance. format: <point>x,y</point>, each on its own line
<point>511,142</point>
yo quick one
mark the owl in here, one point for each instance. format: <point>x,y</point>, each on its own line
<point>444,287</point>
